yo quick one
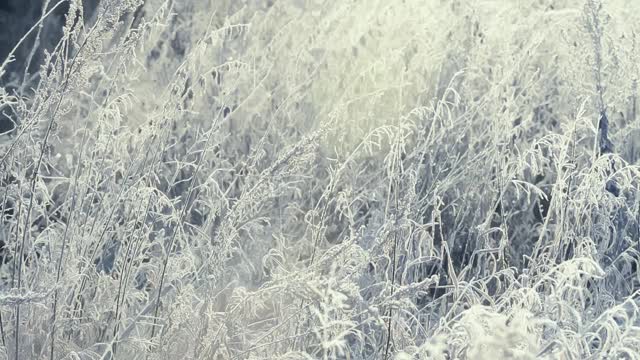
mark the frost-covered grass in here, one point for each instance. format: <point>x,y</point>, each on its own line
<point>309,179</point>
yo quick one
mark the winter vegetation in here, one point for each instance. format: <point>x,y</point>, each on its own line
<point>318,179</point>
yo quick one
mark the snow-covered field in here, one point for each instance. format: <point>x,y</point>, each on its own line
<point>319,179</point>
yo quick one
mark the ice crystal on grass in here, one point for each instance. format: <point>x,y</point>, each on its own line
<point>319,180</point>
